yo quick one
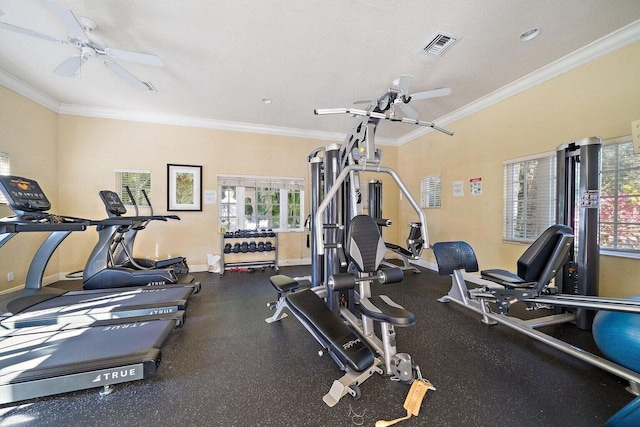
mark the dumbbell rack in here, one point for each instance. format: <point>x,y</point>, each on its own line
<point>269,239</point>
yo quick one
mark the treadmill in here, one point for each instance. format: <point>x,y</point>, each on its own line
<point>36,305</point>
<point>53,362</point>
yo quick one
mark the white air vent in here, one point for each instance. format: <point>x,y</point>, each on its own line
<point>439,44</point>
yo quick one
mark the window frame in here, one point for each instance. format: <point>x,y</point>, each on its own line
<point>615,250</point>
<point>511,201</point>
<point>5,169</point>
<point>137,193</point>
<point>431,192</point>
<point>256,185</point>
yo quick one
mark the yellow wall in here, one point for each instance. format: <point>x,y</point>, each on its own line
<point>30,136</point>
<point>91,149</point>
<point>601,98</point>
<point>74,157</point>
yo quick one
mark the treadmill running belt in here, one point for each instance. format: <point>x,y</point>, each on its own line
<point>45,363</point>
<point>83,307</point>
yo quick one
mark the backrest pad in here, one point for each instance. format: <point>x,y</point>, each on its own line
<point>534,260</point>
<point>452,256</point>
<point>364,245</point>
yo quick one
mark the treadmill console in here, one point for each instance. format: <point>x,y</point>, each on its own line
<point>23,194</point>
<point>113,203</point>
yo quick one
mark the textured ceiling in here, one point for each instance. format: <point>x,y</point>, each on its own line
<point>222,57</point>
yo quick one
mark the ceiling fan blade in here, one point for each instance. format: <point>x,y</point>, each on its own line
<point>409,111</point>
<point>28,32</point>
<point>70,67</point>
<point>128,77</point>
<point>143,58</point>
<point>435,93</point>
<point>403,83</point>
<point>69,20</point>
<point>363,101</point>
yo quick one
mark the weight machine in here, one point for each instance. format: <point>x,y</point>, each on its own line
<point>555,254</point>
<point>346,253</point>
<point>577,205</point>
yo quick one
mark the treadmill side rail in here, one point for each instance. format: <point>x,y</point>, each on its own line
<point>80,381</point>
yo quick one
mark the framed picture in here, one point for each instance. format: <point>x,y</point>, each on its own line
<point>184,183</point>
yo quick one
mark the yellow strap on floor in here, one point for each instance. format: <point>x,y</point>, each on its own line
<point>412,402</point>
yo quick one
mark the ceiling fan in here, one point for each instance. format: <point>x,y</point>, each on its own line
<point>90,46</point>
<point>398,94</point>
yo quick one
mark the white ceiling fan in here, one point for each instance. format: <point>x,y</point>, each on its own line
<point>90,46</point>
<point>398,94</point>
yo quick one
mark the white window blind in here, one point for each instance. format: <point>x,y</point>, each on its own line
<point>253,202</point>
<point>620,198</point>
<point>529,197</point>
<point>431,192</point>
<point>136,180</point>
<point>5,169</point>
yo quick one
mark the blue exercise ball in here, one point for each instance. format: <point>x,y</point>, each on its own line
<point>617,335</point>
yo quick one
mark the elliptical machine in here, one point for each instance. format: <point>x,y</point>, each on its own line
<point>122,250</point>
<point>102,271</point>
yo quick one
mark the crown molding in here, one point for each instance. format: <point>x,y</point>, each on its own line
<point>21,88</point>
<point>199,122</point>
<point>603,46</point>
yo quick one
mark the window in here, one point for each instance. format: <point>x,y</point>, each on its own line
<point>431,192</point>
<point>136,180</point>
<point>529,197</point>
<point>620,198</point>
<point>5,169</point>
<point>250,203</point>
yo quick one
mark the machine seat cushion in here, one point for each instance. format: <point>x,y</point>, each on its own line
<point>506,278</point>
<point>382,308</point>
<point>283,283</point>
<point>327,326</point>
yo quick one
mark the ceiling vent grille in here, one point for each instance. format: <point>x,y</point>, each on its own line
<point>439,44</point>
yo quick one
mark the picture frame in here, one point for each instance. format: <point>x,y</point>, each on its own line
<point>184,187</point>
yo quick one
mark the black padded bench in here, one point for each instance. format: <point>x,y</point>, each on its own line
<point>283,286</point>
<point>330,330</point>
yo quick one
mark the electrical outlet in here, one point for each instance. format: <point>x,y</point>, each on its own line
<point>10,276</point>
<point>635,132</point>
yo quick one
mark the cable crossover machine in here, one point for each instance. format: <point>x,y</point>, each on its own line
<point>347,251</point>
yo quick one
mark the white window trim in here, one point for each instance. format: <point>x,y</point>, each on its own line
<point>613,252</point>
<point>284,208</point>
<point>507,232</point>
<point>119,189</point>
<point>425,186</point>
<point>5,169</point>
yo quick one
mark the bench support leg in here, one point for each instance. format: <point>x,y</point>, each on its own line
<point>279,314</point>
<point>350,383</point>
